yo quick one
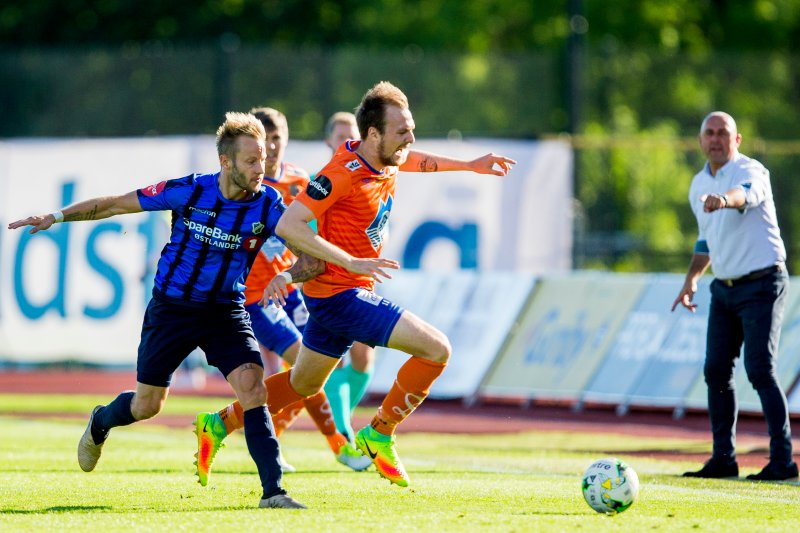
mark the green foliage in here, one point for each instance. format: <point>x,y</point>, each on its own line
<point>646,73</point>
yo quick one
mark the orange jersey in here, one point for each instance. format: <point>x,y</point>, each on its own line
<point>351,202</point>
<point>274,257</point>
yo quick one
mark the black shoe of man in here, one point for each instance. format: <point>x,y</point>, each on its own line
<point>774,472</point>
<point>716,468</point>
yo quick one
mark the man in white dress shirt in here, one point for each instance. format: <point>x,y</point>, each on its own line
<point>738,234</point>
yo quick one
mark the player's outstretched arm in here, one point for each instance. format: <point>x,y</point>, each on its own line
<point>93,209</point>
<point>491,163</point>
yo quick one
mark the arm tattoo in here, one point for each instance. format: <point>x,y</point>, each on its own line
<point>81,215</point>
<point>306,267</point>
<point>428,164</point>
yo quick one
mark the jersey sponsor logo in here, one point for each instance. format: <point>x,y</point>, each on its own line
<point>320,188</point>
<point>353,165</point>
<point>153,190</point>
<point>378,230</point>
<point>258,227</point>
<point>203,211</point>
<point>369,297</point>
<point>213,236</point>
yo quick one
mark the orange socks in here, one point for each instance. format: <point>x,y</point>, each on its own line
<point>233,417</point>
<point>320,412</point>
<point>286,417</point>
<point>280,393</point>
<point>414,380</point>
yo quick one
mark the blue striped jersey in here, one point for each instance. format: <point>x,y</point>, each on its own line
<point>213,241</point>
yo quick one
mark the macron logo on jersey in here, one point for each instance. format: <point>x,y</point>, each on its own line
<point>353,165</point>
<point>153,190</point>
<point>378,230</point>
<point>213,236</point>
<point>203,211</point>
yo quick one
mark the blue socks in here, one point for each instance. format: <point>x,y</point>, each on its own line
<point>117,413</point>
<point>263,447</point>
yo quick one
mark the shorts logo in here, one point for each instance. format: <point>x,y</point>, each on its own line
<point>353,165</point>
<point>369,297</point>
<point>258,227</point>
<point>153,190</point>
<point>320,188</point>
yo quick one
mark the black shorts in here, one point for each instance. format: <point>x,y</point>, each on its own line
<point>172,330</point>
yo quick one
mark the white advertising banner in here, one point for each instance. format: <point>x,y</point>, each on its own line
<point>476,310</point>
<point>78,291</point>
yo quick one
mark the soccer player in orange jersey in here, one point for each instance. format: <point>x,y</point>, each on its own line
<point>351,198</point>
<point>347,384</point>
<point>278,330</point>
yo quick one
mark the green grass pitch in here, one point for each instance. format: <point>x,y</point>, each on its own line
<point>508,482</point>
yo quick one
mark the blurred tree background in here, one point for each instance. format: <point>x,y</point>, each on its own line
<point>627,82</point>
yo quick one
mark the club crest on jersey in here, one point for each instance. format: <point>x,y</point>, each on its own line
<point>353,165</point>
<point>153,190</point>
<point>258,227</point>
<point>320,188</point>
<point>378,230</point>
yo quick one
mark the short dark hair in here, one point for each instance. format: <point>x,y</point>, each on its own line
<point>371,112</point>
<point>272,119</point>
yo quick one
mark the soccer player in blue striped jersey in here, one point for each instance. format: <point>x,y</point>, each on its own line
<point>220,221</point>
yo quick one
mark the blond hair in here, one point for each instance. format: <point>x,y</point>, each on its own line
<point>237,125</point>
<point>371,112</point>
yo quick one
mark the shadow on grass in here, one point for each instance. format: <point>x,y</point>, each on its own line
<point>58,509</point>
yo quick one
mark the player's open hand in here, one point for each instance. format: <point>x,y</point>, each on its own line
<point>492,164</point>
<point>372,267</point>
<point>275,292</point>
<point>39,223</point>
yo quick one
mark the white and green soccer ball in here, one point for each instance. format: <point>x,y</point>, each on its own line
<point>610,486</point>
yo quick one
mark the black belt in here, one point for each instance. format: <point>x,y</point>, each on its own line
<point>754,275</point>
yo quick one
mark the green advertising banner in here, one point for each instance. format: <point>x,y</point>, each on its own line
<point>562,336</point>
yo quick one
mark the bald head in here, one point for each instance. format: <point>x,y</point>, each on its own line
<point>719,139</point>
<point>720,115</point>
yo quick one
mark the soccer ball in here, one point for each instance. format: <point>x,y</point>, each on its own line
<point>610,486</point>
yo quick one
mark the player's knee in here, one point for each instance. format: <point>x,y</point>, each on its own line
<point>252,393</point>
<point>439,348</point>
